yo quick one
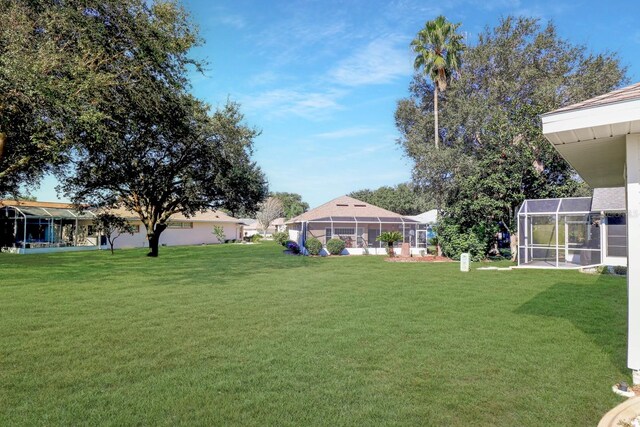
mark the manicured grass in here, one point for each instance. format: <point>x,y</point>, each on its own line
<point>244,335</point>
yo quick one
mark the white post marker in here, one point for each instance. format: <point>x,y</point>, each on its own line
<point>464,262</point>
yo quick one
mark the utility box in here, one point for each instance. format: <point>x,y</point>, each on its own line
<point>464,262</point>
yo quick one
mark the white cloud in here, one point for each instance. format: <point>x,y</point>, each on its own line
<point>381,61</point>
<point>345,133</point>
<point>282,102</point>
<point>235,21</point>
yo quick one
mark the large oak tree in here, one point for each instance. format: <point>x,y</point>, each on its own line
<point>153,148</point>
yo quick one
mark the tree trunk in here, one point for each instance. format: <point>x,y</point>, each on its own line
<point>3,142</point>
<point>435,113</point>
<point>154,237</point>
<point>390,250</point>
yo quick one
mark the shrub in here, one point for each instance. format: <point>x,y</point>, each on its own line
<point>281,237</point>
<point>454,242</point>
<point>292,246</point>
<point>256,238</point>
<point>335,246</point>
<point>505,253</point>
<point>313,245</point>
<point>621,270</point>
<point>218,231</point>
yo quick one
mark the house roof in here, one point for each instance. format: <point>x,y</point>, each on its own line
<point>345,208</point>
<point>207,216</point>
<point>621,95</point>
<point>68,210</point>
<point>278,221</point>
<point>609,199</point>
<point>428,217</point>
<point>248,222</point>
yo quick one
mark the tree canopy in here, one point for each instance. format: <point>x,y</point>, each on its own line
<point>50,72</point>
<point>438,49</point>
<point>493,152</point>
<point>402,199</point>
<point>270,210</point>
<point>152,147</point>
<point>292,204</point>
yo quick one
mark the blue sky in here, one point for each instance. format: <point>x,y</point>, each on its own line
<point>321,79</point>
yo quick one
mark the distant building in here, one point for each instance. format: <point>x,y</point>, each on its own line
<point>37,227</point>
<point>358,224</point>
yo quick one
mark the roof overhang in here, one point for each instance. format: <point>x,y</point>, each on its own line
<point>592,140</point>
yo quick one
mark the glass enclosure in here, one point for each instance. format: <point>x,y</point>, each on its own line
<point>559,233</point>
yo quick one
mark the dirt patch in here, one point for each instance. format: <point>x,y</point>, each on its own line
<point>419,259</point>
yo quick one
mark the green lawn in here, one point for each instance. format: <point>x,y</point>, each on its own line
<point>244,335</point>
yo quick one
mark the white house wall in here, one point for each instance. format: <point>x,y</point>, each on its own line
<point>201,233</point>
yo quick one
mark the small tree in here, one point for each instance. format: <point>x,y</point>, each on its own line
<point>218,231</point>
<point>269,211</point>
<point>390,237</point>
<point>112,226</point>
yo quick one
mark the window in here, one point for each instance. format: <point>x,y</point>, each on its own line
<point>175,224</point>
<point>341,231</point>
<point>617,235</point>
<point>135,228</point>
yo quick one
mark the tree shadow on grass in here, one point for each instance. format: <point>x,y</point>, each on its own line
<point>597,307</point>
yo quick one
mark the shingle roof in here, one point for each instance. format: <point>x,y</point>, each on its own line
<point>208,216</point>
<point>278,221</point>
<point>608,199</point>
<point>344,206</point>
<point>628,93</point>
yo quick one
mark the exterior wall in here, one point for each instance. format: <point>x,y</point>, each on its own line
<point>201,233</point>
<point>632,178</point>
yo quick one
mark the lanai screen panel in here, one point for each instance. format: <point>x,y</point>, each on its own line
<point>558,233</point>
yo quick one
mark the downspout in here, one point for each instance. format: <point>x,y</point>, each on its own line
<point>303,237</point>
<point>24,237</point>
<point>356,218</point>
<point>557,238</point>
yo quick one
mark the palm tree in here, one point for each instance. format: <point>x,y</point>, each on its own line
<point>438,49</point>
<point>390,237</point>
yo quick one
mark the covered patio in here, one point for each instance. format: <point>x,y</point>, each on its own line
<point>600,138</point>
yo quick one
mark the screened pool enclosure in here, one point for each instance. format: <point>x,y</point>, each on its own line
<point>559,233</point>
<point>48,226</point>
